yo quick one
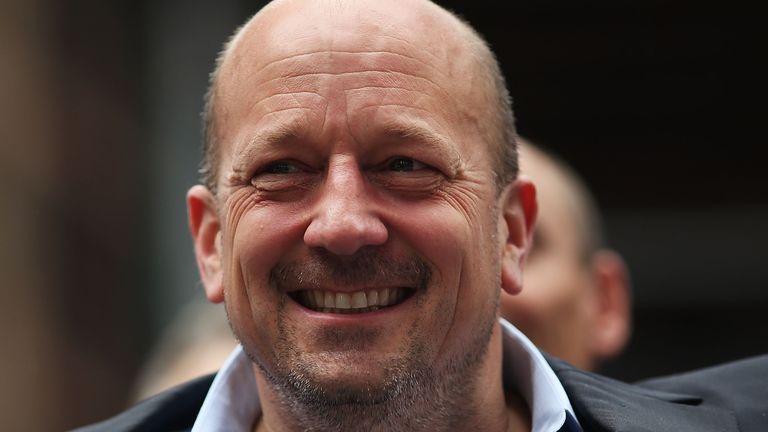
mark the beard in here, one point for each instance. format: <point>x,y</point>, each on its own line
<point>406,393</point>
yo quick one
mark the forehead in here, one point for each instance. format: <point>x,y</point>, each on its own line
<point>372,58</point>
<point>282,34</point>
<point>349,25</point>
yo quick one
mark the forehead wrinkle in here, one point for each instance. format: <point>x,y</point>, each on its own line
<point>430,113</point>
<point>287,93</point>
<point>262,111</point>
<point>357,62</point>
<point>383,74</point>
<point>329,53</point>
<point>413,46</point>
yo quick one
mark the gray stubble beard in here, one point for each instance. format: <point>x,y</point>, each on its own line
<point>414,396</point>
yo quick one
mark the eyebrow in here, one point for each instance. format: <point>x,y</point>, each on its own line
<point>285,134</point>
<point>414,131</point>
<point>276,134</point>
<point>426,136</point>
<point>264,139</point>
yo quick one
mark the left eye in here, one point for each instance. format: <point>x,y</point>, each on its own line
<point>403,164</point>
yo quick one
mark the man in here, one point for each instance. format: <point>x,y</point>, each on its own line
<point>362,212</point>
<point>576,301</point>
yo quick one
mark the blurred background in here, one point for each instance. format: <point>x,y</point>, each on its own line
<point>660,105</point>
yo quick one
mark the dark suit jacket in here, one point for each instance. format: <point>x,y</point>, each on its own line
<point>727,398</point>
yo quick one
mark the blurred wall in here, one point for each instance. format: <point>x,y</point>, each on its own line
<point>27,343</point>
<point>100,138</point>
<point>72,210</point>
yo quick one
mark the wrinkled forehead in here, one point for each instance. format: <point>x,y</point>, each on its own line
<point>289,31</point>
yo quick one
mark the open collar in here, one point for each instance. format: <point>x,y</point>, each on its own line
<point>232,402</point>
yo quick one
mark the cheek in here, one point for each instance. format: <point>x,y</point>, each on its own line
<point>256,243</point>
<point>464,260</point>
<point>264,236</point>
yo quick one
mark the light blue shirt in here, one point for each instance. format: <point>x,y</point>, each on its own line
<point>232,402</point>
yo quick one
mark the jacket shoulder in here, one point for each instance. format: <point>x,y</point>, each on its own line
<point>740,386</point>
<point>602,404</point>
<point>172,410</point>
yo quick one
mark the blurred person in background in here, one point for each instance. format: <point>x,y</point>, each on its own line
<point>575,303</point>
<point>576,299</point>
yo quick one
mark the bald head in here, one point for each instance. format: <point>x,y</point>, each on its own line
<point>448,52</point>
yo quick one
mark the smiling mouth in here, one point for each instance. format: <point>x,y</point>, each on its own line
<point>351,303</point>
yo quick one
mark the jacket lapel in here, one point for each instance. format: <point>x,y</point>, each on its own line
<point>602,404</point>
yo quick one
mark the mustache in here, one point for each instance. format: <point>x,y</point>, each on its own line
<point>368,266</point>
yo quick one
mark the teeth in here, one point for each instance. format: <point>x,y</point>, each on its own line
<point>384,297</point>
<point>356,302</point>
<point>342,301</point>
<point>372,298</point>
<point>330,300</point>
<point>359,300</point>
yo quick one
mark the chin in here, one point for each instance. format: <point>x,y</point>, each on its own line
<point>339,379</point>
<point>354,370</point>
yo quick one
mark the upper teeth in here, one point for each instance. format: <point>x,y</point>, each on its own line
<point>358,301</point>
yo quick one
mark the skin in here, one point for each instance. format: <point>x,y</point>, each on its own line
<point>341,137</point>
<point>574,307</point>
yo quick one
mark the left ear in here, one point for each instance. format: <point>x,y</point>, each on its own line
<point>518,218</point>
<point>612,321</point>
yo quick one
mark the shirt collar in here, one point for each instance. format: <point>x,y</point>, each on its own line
<point>525,369</point>
<point>232,402</point>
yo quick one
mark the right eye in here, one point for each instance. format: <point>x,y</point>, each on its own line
<point>280,167</point>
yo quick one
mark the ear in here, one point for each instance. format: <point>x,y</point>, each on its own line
<point>612,324</point>
<point>206,235</point>
<point>518,218</point>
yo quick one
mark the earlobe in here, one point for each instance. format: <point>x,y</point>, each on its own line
<point>206,234</point>
<point>518,218</point>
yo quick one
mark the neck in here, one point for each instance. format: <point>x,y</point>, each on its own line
<point>455,402</point>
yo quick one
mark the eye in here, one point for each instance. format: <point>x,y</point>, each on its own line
<point>404,164</point>
<point>283,175</point>
<point>280,167</point>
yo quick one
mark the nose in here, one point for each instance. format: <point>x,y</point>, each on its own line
<point>344,218</point>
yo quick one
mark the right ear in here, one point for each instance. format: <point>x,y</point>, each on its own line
<point>206,235</point>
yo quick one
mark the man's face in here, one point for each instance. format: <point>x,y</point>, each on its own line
<point>556,308</point>
<point>360,231</point>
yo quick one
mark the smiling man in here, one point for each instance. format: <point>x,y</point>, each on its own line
<point>360,214</point>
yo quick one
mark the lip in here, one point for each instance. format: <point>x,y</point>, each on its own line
<point>348,289</point>
<point>386,314</point>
